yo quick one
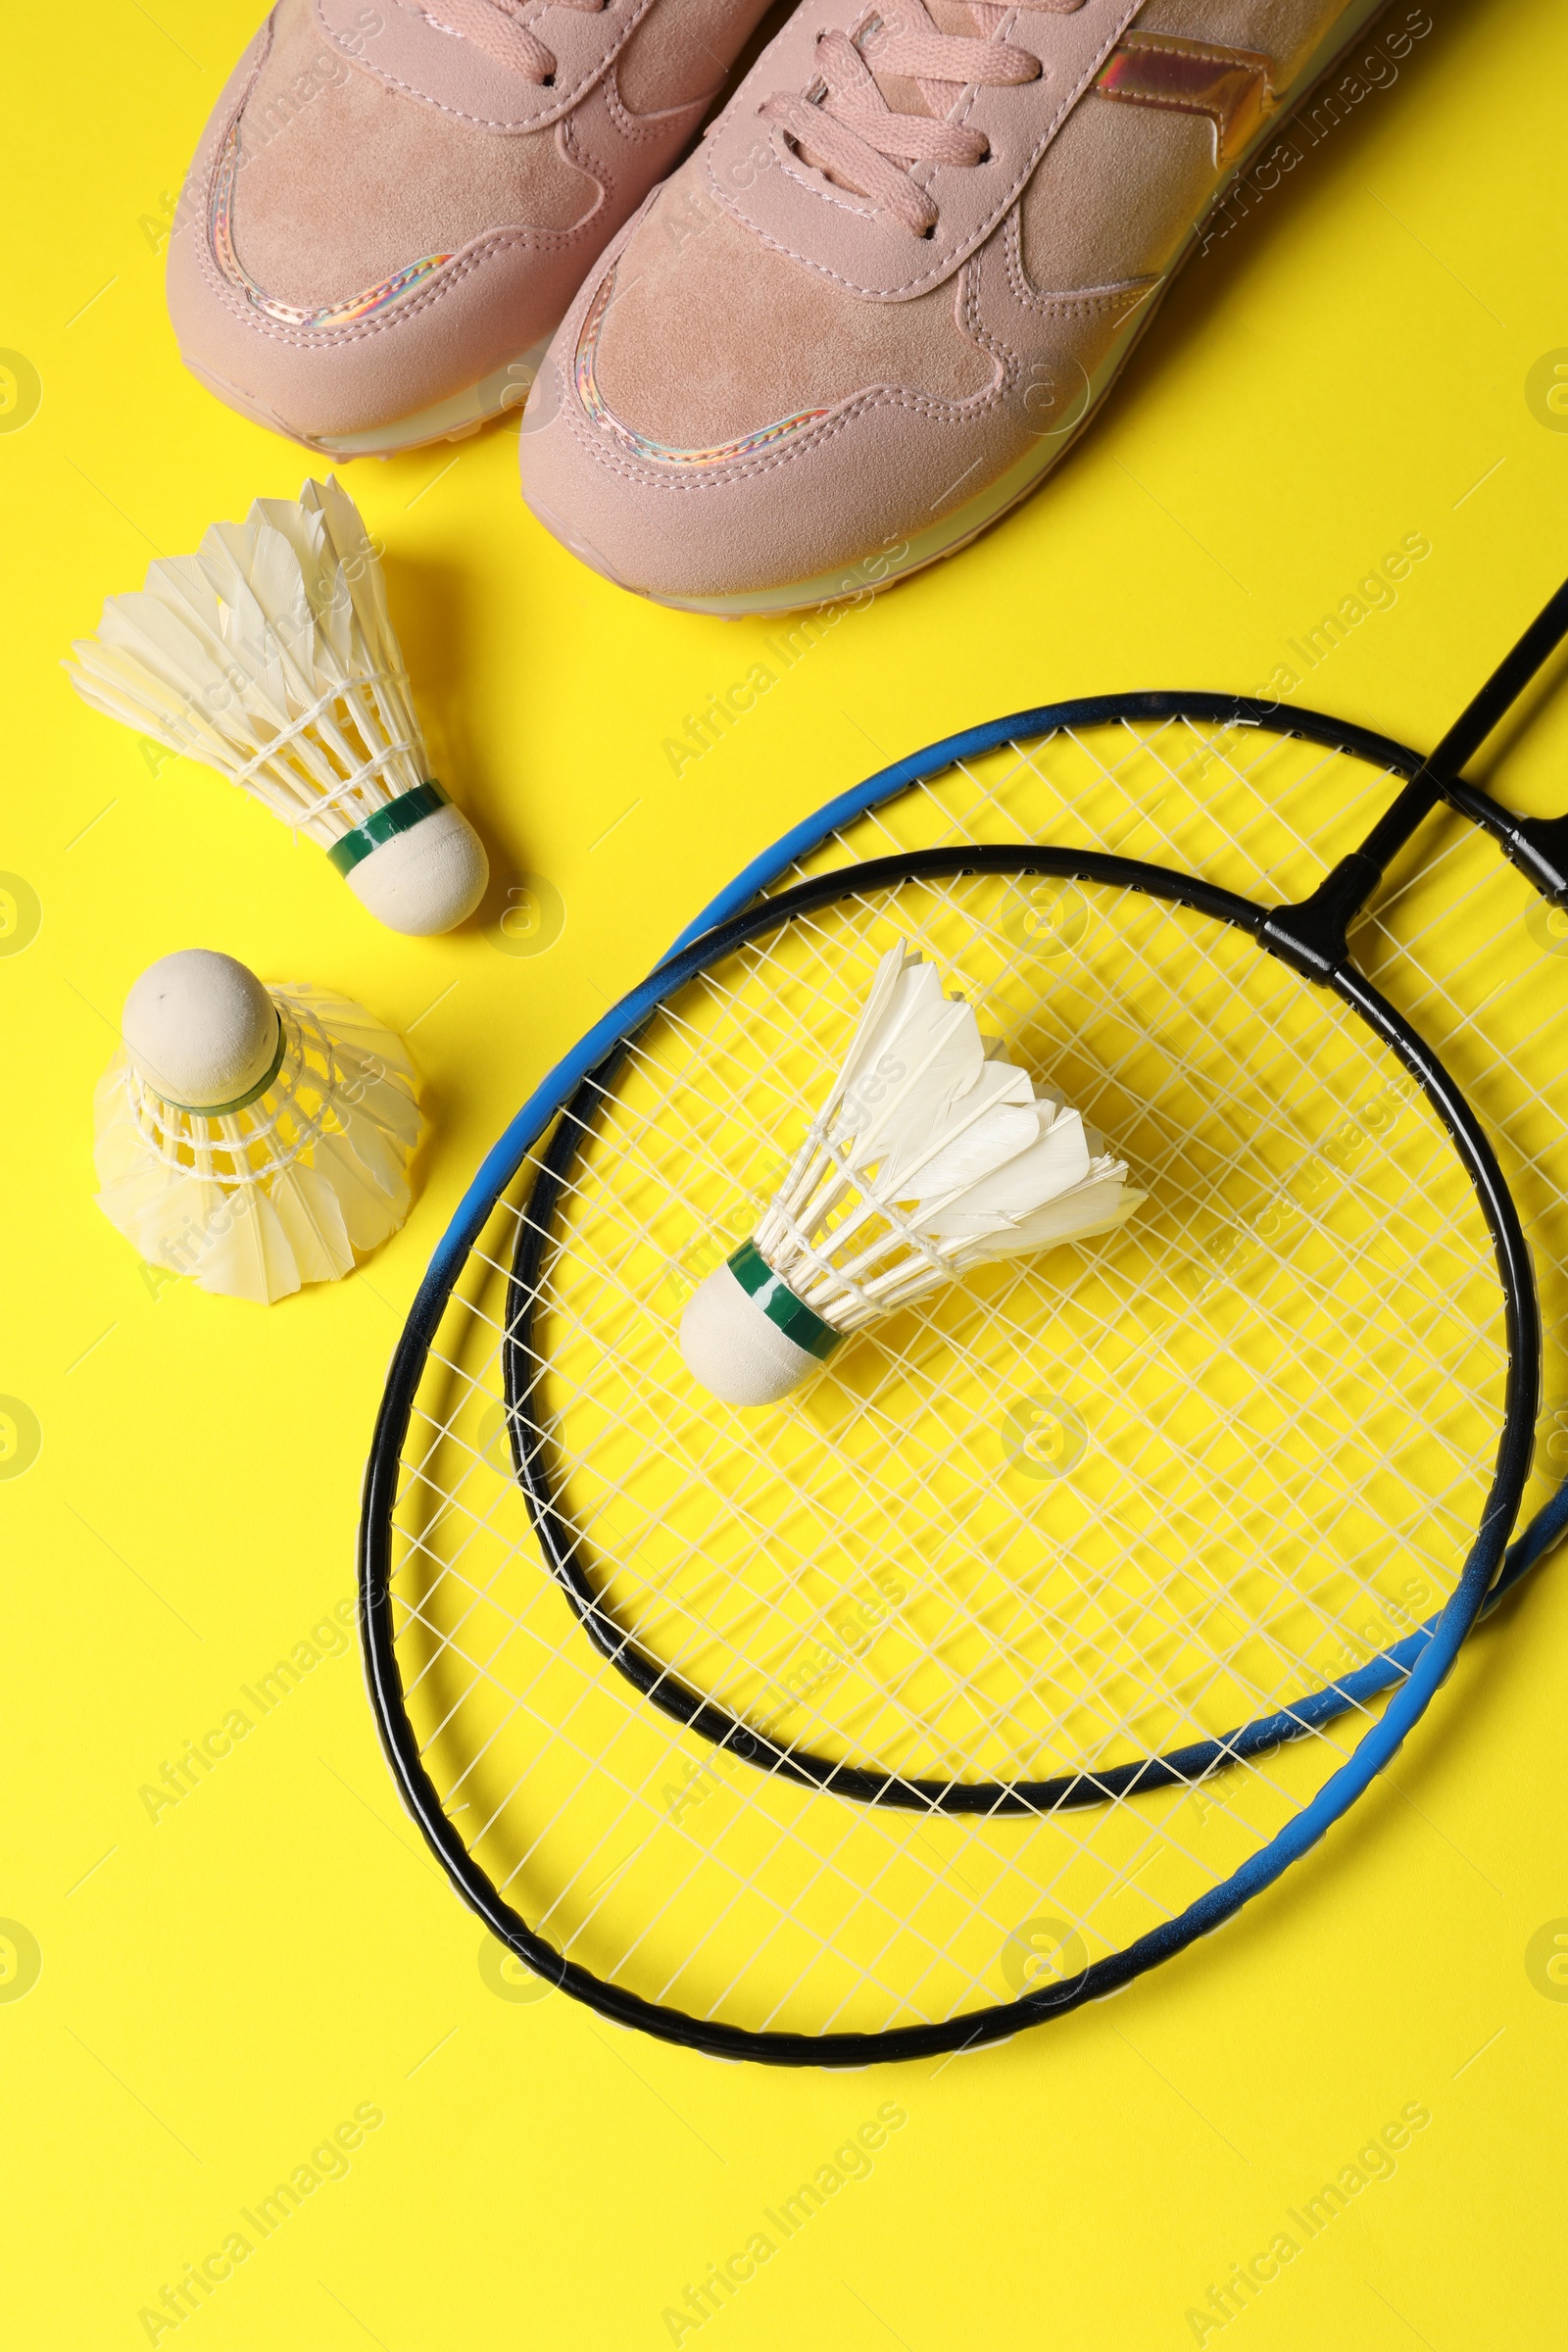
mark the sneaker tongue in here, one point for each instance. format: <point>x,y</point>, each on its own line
<point>963,16</point>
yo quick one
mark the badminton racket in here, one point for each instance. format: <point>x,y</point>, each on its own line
<point>1052,1622</point>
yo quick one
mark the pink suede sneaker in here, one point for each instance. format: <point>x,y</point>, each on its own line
<point>393,205</point>
<point>870,314</point>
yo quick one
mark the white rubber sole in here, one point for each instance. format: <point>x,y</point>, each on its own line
<point>885,568</point>
<point>451,419</point>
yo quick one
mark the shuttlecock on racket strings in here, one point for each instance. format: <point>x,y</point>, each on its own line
<point>930,1155</point>
<point>253,1138</point>
<point>271,656</point>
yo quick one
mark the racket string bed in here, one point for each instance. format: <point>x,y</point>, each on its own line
<point>623,1146</point>
<point>677,1661</point>
<point>447,1636</point>
<point>1496,903</point>
<point>522,1859</point>
<point>586,1758</point>
<point>450,1499</point>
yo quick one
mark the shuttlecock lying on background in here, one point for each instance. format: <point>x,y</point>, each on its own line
<point>269,655</point>
<point>253,1138</point>
<point>930,1155</point>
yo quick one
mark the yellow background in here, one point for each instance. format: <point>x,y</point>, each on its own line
<point>223,1988</point>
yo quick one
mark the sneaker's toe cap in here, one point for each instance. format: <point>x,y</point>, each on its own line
<point>335,269</point>
<point>714,421</point>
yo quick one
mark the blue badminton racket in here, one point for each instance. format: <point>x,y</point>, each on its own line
<point>1047,1625</point>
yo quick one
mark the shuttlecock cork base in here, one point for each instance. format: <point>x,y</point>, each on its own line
<point>746,1337</point>
<point>204,1031</point>
<point>930,1155</point>
<point>254,1138</point>
<point>418,865</point>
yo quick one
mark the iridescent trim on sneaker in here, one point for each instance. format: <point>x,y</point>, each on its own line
<point>639,445</point>
<point>1231,86</point>
<point>221,233</point>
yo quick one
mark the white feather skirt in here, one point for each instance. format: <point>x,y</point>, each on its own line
<point>294,1188</point>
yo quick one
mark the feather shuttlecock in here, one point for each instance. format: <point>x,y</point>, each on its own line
<point>930,1155</point>
<point>271,656</point>
<point>254,1139</point>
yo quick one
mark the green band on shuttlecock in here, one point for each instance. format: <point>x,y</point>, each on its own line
<point>409,809</point>
<point>778,1302</point>
<point>221,1111</point>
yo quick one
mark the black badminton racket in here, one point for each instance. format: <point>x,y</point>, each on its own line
<point>1049,1623</point>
